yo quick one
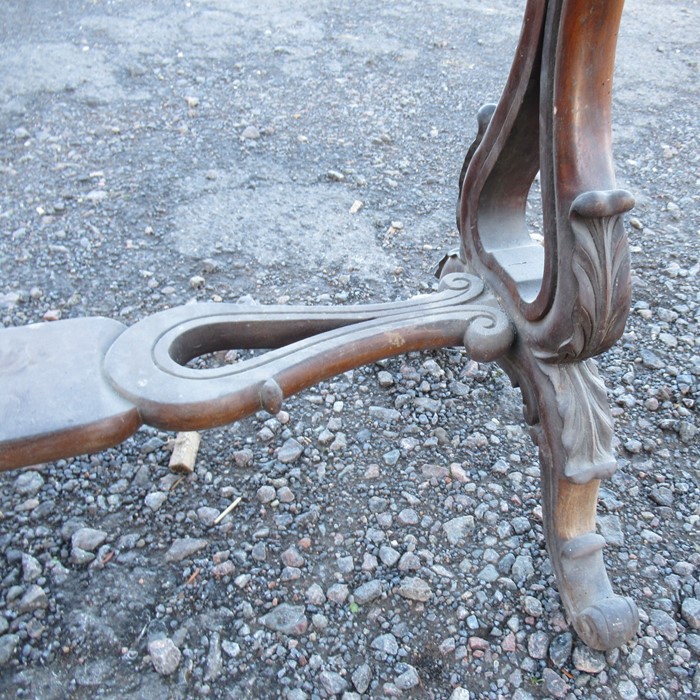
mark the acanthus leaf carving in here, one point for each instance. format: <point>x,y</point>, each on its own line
<point>589,316</point>
<point>601,266</point>
<point>587,425</point>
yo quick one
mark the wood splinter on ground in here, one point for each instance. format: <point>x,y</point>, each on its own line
<point>185,452</point>
<point>225,512</point>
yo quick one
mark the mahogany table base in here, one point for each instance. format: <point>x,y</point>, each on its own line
<point>542,313</point>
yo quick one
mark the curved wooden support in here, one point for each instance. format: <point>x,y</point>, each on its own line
<point>105,381</point>
<point>570,298</point>
<point>147,363</point>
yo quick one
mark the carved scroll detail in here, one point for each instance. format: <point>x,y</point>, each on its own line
<point>587,426</point>
<point>488,336</point>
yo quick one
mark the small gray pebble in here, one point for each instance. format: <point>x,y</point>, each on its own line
<point>386,643</point>
<point>250,133</point>
<point>532,606</point>
<point>88,539</point>
<point>391,458</point>
<point>388,555</point>
<point>555,685</point>
<point>165,656</point>
<point>8,645</point>
<point>627,690</point>
<point>537,645</point>
<point>408,679</point>
<point>560,649</point>
<point>286,618</point>
<point>665,625</point>
<point>338,593</point>
<point>588,660</point>
<point>332,682</point>
<point>415,588</point>
<point>361,678</point>
<point>367,592</point>
<point>290,451</point>
<point>266,493</point>
<point>690,611</point>
<point>28,483</point>
<point>184,547</point>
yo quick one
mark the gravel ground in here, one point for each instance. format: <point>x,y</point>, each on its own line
<point>388,540</point>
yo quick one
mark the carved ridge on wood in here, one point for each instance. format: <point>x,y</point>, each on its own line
<point>601,265</point>
<point>582,546</point>
<point>585,424</point>
<point>483,119</point>
<point>146,364</point>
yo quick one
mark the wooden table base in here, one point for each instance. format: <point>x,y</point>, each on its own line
<point>541,312</point>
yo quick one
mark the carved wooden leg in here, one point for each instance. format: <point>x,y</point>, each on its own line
<point>567,410</point>
<point>568,299</point>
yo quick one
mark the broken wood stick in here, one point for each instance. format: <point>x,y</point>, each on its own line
<point>185,452</point>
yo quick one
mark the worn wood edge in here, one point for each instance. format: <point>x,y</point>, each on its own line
<point>70,442</point>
